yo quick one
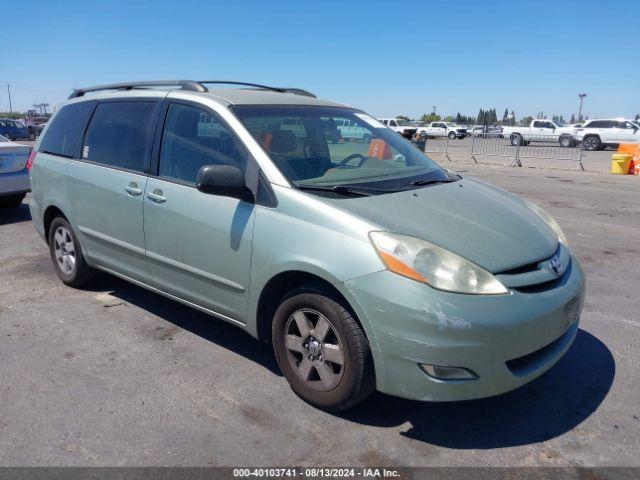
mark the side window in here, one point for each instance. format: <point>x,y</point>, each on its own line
<point>187,146</point>
<point>537,124</point>
<point>64,135</point>
<point>120,134</point>
<point>393,123</point>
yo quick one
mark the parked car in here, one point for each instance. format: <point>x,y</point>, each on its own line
<point>35,125</point>
<point>351,130</point>
<point>599,133</point>
<point>491,131</point>
<point>366,267</point>
<point>13,130</point>
<point>14,177</point>
<point>404,128</point>
<point>541,131</point>
<point>443,129</point>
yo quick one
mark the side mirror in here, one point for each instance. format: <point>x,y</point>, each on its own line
<point>223,180</point>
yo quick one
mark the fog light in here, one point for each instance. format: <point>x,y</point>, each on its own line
<point>448,373</point>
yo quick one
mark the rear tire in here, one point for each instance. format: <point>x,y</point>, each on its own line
<point>567,141</point>
<point>12,202</point>
<point>591,143</point>
<point>322,350</point>
<point>66,255</point>
<point>516,140</point>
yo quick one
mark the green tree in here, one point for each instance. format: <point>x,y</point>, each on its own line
<point>573,118</point>
<point>526,121</point>
<point>430,117</point>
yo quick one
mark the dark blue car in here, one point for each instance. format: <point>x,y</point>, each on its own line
<point>13,130</point>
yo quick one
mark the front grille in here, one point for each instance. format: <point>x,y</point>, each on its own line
<point>527,363</point>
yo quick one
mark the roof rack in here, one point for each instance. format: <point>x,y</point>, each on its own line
<point>190,85</point>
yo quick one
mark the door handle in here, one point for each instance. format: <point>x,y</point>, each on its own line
<point>133,190</point>
<point>156,196</point>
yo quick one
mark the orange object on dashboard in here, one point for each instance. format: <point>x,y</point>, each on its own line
<point>379,149</point>
<point>266,141</point>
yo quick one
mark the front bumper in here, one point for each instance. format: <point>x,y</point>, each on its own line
<point>409,323</point>
<point>15,183</point>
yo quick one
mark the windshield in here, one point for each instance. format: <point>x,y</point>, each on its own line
<point>329,146</point>
<point>402,123</point>
<point>451,125</point>
<point>559,123</point>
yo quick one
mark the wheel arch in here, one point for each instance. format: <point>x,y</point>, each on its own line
<point>50,213</point>
<point>275,289</point>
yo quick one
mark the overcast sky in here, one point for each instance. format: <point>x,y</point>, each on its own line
<point>388,58</point>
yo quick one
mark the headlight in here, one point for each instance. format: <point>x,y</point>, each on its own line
<point>548,219</point>
<point>424,262</point>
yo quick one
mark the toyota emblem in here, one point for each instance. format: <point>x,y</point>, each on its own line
<point>556,266</point>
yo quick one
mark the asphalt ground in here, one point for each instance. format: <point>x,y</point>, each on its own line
<point>116,375</point>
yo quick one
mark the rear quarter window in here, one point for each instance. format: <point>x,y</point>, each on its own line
<point>64,135</point>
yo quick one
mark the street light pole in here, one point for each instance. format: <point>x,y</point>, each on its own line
<point>9,92</point>
<point>581,95</point>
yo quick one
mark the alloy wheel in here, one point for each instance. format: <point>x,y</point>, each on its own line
<point>314,349</point>
<point>64,250</point>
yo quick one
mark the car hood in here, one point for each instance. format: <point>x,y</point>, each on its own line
<point>487,225</point>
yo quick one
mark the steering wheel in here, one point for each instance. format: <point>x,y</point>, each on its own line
<point>344,163</point>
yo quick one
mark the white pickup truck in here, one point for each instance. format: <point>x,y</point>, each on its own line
<point>541,131</point>
<point>443,129</point>
<point>403,127</point>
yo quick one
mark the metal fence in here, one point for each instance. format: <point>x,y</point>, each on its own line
<point>515,148</point>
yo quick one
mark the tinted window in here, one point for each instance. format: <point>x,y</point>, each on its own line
<point>193,138</point>
<point>64,135</point>
<point>120,134</point>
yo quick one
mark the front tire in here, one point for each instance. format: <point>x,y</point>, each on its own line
<point>322,350</point>
<point>66,255</point>
<point>591,143</point>
<point>452,135</point>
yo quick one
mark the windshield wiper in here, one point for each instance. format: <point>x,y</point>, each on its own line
<point>343,189</point>
<point>422,183</point>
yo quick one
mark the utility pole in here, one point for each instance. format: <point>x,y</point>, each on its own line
<point>581,95</point>
<point>9,92</point>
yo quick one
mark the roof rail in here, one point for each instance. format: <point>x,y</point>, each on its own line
<point>184,84</point>
<point>295,91</point>
<point>191,85</point>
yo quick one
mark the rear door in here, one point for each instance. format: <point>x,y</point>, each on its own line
<point>198,245</point>
<point>106,185</point>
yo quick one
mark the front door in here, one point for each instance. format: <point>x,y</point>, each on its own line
<point>106,186</point>
<point>198,245</point>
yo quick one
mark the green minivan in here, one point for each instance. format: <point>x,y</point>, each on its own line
<point>366,264</point>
